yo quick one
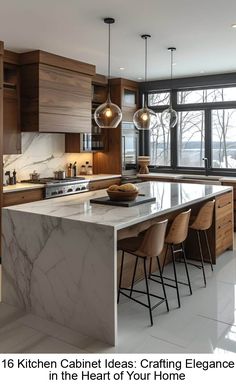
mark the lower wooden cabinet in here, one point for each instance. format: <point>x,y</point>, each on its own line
<point>102,184</point>
<point>23,196</point>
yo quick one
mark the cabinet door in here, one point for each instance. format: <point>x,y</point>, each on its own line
<point>23,196</point>
<point>64,100</point>
<point>11,127</point>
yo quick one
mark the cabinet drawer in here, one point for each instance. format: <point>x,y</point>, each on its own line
<point>102,184</point>
<point>21,197</point>
<point>224,205</point>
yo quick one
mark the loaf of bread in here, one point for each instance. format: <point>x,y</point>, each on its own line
<point>128,188</point>
<point>113,187</point>
<point>123,188</point>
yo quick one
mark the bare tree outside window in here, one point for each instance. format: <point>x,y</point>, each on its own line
<point>224,138</point>
<point>160,145</point>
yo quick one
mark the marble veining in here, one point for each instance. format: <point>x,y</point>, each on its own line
<point>50,262</point>
<point>44,153</point>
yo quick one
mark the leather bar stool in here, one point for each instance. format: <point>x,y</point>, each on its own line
<point>150,244</point>
<point>201,224</point>
<point>175,242</point>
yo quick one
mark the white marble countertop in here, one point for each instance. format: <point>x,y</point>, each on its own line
<point>98,177</point>
<point>169,197</point>
<point>21,186</point>
<point>27,186</point>
<point>188,176</point>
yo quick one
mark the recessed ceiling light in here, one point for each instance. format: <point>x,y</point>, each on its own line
<point>233,25</point>
<point>202,71</point>
<point>121,68</point>
<point>140,78</point>
<point>174,63</point>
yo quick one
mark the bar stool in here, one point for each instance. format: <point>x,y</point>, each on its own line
<point>175,241</point>
<point>202,223</point>
<point>148,245</point>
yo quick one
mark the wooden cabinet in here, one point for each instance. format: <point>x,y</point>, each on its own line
<point>55,94</point>
<point>103,184</point>
<point>97,139</point>
<point>23,196</point>
<point>230,183</point>
<point>11,110</point>
<point>224,223</point>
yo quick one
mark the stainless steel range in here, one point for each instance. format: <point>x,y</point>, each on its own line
<point>58,188</point>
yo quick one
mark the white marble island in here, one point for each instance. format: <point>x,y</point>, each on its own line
<point>59,255</point>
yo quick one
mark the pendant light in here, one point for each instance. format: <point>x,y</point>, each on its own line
<point>169,117</point>
<point>108,115</point>
<point>145,118</point>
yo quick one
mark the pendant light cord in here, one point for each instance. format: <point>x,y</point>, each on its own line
<point>145,36</point>
<point>109,60</point>
<point>171,49</point>
<point>145,54</point>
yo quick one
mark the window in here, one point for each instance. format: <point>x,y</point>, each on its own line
<point>206,95</point>
<point>155,99</point>
<point>224,138</point>
<point>160,145</point>
<point>191,138</point>
<point>206,127</point>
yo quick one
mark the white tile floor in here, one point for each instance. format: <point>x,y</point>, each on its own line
<point>205,323</point>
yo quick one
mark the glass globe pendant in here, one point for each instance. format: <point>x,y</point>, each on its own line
<point>145,118</point>
<point>169,118</point>
<point>108,114</point>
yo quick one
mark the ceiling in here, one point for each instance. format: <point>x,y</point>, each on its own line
<point>200,29</point>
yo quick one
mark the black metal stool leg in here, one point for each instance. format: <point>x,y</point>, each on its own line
<point>208,249</point>
<point>121,272</point>
<point>147,288</point>
<point>201,256</point>
<point>133,278</point>
<point>162,282</point>
<point>164,262</point>
<point>186,268</point>
<point>174,267</point>
<point>150,268</point>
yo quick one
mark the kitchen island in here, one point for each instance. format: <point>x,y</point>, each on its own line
<point>59,255</point>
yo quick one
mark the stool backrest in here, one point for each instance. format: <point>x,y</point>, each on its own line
<point>179,228</point>
<point>204,217</point>
<point>154,238</point>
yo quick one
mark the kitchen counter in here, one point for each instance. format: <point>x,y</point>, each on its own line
<point>59,257</point>
<point>21,186</point>
<point>98,177</point>
<point>27,186</point>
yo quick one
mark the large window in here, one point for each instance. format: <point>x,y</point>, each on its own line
<point>206,128</point>
<point>191,138</point>
<point>224,138</point>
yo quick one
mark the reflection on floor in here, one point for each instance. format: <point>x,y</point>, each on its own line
<point>206,322</point>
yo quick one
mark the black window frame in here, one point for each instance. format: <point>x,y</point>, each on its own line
<point>193,83</point>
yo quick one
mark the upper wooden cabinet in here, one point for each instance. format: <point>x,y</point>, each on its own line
<point>125,93</point>
<point>55,94</point>
<point>11,104</point>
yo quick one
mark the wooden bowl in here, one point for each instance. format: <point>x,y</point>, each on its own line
<point>118,195</point>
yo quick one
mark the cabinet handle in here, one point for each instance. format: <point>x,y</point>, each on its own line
<point>224,205</point>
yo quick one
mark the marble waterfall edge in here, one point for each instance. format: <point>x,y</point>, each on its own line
<point>52,267</point>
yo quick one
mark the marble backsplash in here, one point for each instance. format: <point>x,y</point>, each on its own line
<point>44,153</point>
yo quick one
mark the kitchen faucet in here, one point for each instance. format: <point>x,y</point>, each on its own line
<point>206,165</point>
